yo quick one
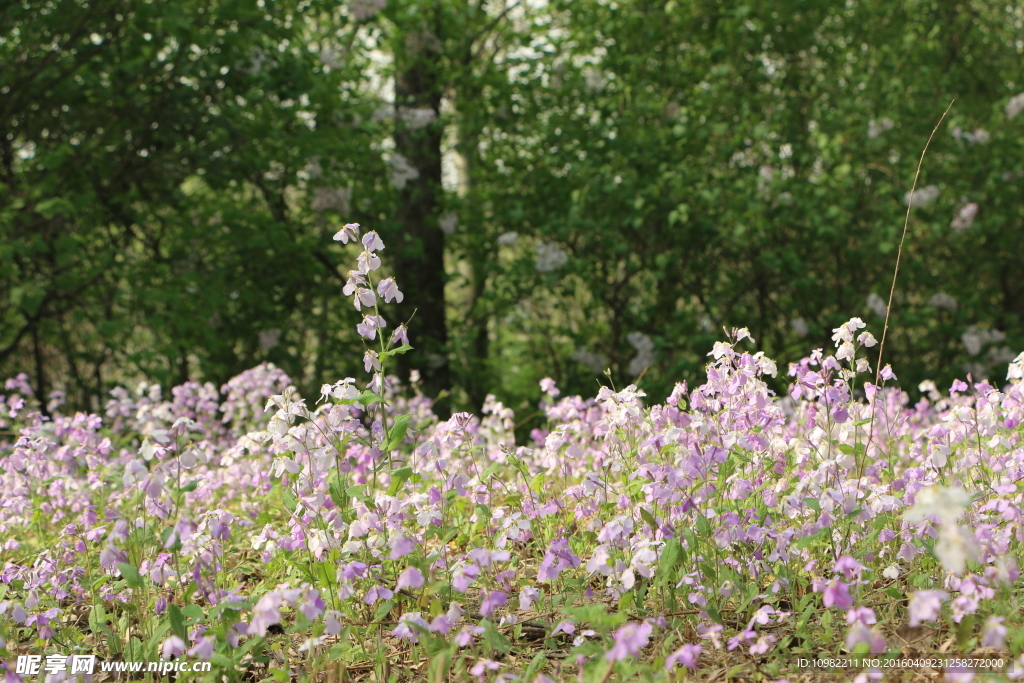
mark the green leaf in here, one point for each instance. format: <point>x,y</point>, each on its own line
<point>131,575</point>
<point>177,620</point>
<point>404,348</point>
<point>192,611</point>
<point>338,494</point>
<point>671,555</point>
<point>383,610</point>
<point>398,479</point>
<point>648,517</point>
<point>368,398</point>
<point>396,435</point>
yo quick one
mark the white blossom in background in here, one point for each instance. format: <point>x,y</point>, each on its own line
<point>383,113</point>
<point>448,222</point>
<point>923,197</point>
<point>415,118</point>
<point>876,128</point>
<point>644,346</point>
<point>364,9</point>
<point>1015,106</point>
<point>312,170</point>
<point>336,198</point>
<point>965,217</point>
<point>979,137</point>
<point>799,326</point>
<point>928,387</point>
<point>595,361</point>
<point>401,171</point>
<point>943,300</point>
<point>550,257</point>
<point>974,338</point>
<point>269,338</point>
<point>877,305</point>
<point>1000,355</point>
<point>508,239</point>
<point>256,61</point>
<point>330,57</point>
<point>595,78</point>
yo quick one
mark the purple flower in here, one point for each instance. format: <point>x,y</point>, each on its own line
<point>837,595</point>
<point>629,640</point>
<point>864,615</point>
<point>926,605</point>
<point>172,647</point>
<point>566,627</point>
<point>349,232</point>
<point>400,547</point>
<point>482,666</point>
<point>409,626</point>
<point>372,241</point>
<point>688,655</point>
<point>464,637</point>
<point>862,633</point>
<point>203,649</point>
<point>557,558</point>
<point>995,633</point>
<point>266,613</point>
<point>388,289</point>
<point>493,601</point>
<point>410,578</point>
<point>377,593</point>
<point>400,335</point>
<point>368,328</point>
<point>464,576</point>
<point>527,596</point>
<point>848,567</point>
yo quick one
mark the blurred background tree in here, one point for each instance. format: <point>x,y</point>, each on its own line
<point>563,187</point>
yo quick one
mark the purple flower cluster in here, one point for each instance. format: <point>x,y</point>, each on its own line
<point>732,499</point>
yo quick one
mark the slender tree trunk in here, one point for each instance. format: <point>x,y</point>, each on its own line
<point>420,242</point>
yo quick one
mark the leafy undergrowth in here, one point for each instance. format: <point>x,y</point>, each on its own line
<point>724,534</point>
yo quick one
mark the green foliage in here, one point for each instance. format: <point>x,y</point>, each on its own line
<point>169,173</point>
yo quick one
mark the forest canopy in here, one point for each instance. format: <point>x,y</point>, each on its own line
<point>564,187</point>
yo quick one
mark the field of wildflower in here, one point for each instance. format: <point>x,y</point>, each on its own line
<point>722,533</point>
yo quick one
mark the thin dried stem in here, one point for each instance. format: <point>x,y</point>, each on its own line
<point>899,253</point>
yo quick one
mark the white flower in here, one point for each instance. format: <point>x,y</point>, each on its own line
<point>550,257</point>
<point>943,300</point>
<point>876,128</point>
<point>401,171</point>
<point>448,222</point>
<point>799,326</point>
<point>946,503</point>
<point>644,346</point>
<point>415,118</point>
<point>1015,106</point>
<point>955,546</point>
<point>965,217</point>
<point>923,197</point>
<point>877,305</point>
<point>844,333</point>
<point>508,239</point>
<point>595,361</point>
<point>1016,369</point>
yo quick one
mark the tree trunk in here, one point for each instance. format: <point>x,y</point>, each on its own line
<point>420,242</point>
